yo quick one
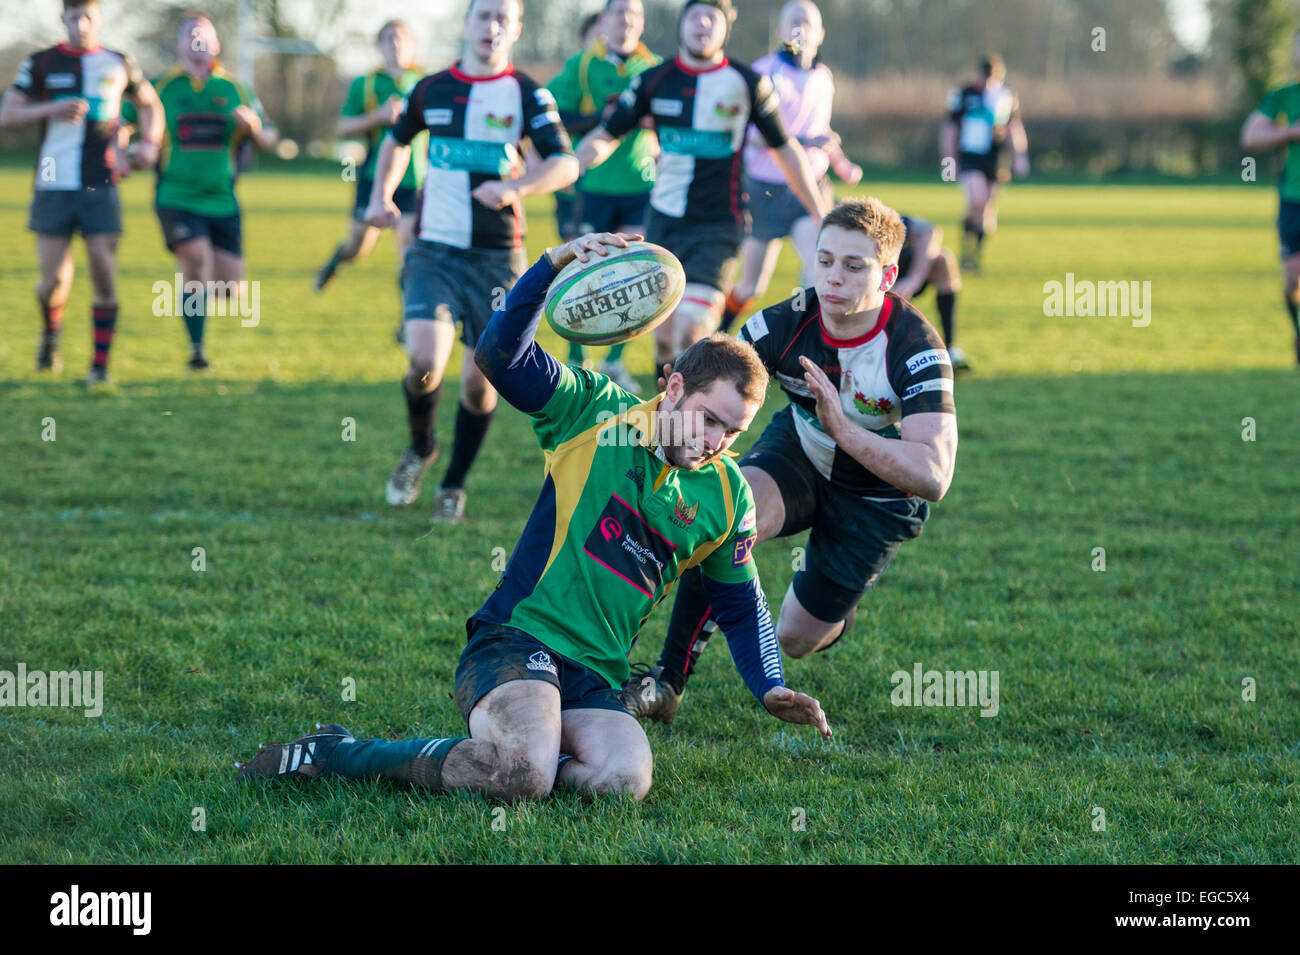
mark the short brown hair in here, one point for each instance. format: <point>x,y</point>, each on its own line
<point>873,219</point>
<point>470,9</point>
<point>75,4</point>
<point>721,356</point>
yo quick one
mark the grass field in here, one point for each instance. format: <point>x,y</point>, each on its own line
<point>1120,690</point>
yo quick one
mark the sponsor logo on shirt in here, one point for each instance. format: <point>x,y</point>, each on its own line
<point>437,117</point>
<point>684,516</point>
<point>541,660</point>
<point>549,118</point>
<point>60,81</point>
<point>872,406</point>
<point>740,555</point>
<point>637,476</point>
<point>702,143</point>
<point>756,327</point>
<point>749,522</point>
<point>544,98</point>
<point>726,110</point>
<point>499,122</point>
<point>925,359</point>
<point>610,528</point>
<point>661,106</point>
<point>934,384</point>
<point>624,544</point>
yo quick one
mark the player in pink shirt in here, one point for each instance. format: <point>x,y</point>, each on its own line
<point>806,89</point>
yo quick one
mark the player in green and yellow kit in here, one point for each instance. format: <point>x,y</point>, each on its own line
<point>373,103</point>
<point>1276,125</point>
<point>209,116</point>
<point>635,494</point>
<point>613,196</point>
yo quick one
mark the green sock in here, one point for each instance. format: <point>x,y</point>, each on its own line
<point>193,304</point>
<point>616,352</point>
<point>417,761</point>
<point>575,354</point>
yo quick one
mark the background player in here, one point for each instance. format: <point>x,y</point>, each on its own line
<point>210,115</point>
<point>612,197</point>
<point>1276,125</point>
<point>924,260</point>
<point>805,88</point>
<point>470,249</point>
<point>868,438</point>
<point>982,117</point>
<point>79,163</point>
<point>701,104</point>
<point>566,223</point>
<point>538,682</point>
<point>373,104</point>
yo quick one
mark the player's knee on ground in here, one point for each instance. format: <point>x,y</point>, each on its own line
<point>518,778</point>
<point>624,774</point>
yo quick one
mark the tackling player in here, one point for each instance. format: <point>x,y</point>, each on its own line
<point>701,104</point>
<point>982,117</point>
<point>210,115</point>
<point>925,259</point>
<point>632,497</point>
<point>806,88</point>
<point>75,91</point>
<point>1276,125</point>
<point>868,438</point>
<point>373,104</point>
<point>612,197</point>
<point>469,252</point>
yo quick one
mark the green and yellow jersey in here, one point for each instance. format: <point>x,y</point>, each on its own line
<point>1283,107</point>
<point>371,91</point>
<point>196,165</point>
<point>615,525</point>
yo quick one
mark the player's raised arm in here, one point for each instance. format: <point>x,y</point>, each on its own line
<point>507,353</point>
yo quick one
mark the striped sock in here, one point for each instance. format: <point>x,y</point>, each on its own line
<point>105,320</point>
<point>416,761</point>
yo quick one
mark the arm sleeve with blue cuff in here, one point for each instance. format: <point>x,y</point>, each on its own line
<point>520,369</point>
<point>741,611</point>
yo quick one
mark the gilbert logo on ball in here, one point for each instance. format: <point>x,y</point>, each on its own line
<point>613,298</point>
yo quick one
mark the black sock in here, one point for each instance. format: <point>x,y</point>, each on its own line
<point>1294,311</point>
<point>471,428</point>
<point>421,410</point>
<point>689,629</point>
<point>948,315</point>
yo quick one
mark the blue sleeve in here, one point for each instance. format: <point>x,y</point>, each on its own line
<point>741,611</point>
<point>520,369</point>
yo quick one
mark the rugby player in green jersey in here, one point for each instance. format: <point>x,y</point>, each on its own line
<point>635,494</point>
<point>373,103</point>
<point>1276,125</point>
<point>209,116</point>
<point>613,197</point>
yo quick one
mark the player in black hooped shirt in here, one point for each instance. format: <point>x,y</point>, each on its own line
<point>468,253</point>
<point>701,105</point>
<point>75,91</point>
<point>868,439</point>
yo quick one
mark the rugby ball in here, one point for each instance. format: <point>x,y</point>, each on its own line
<point>613,298</point>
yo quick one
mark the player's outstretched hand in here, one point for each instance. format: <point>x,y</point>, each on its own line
<point>663,379</point>
<point>591,243</point>
<point>829,410</point>
<point>785,704</point>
